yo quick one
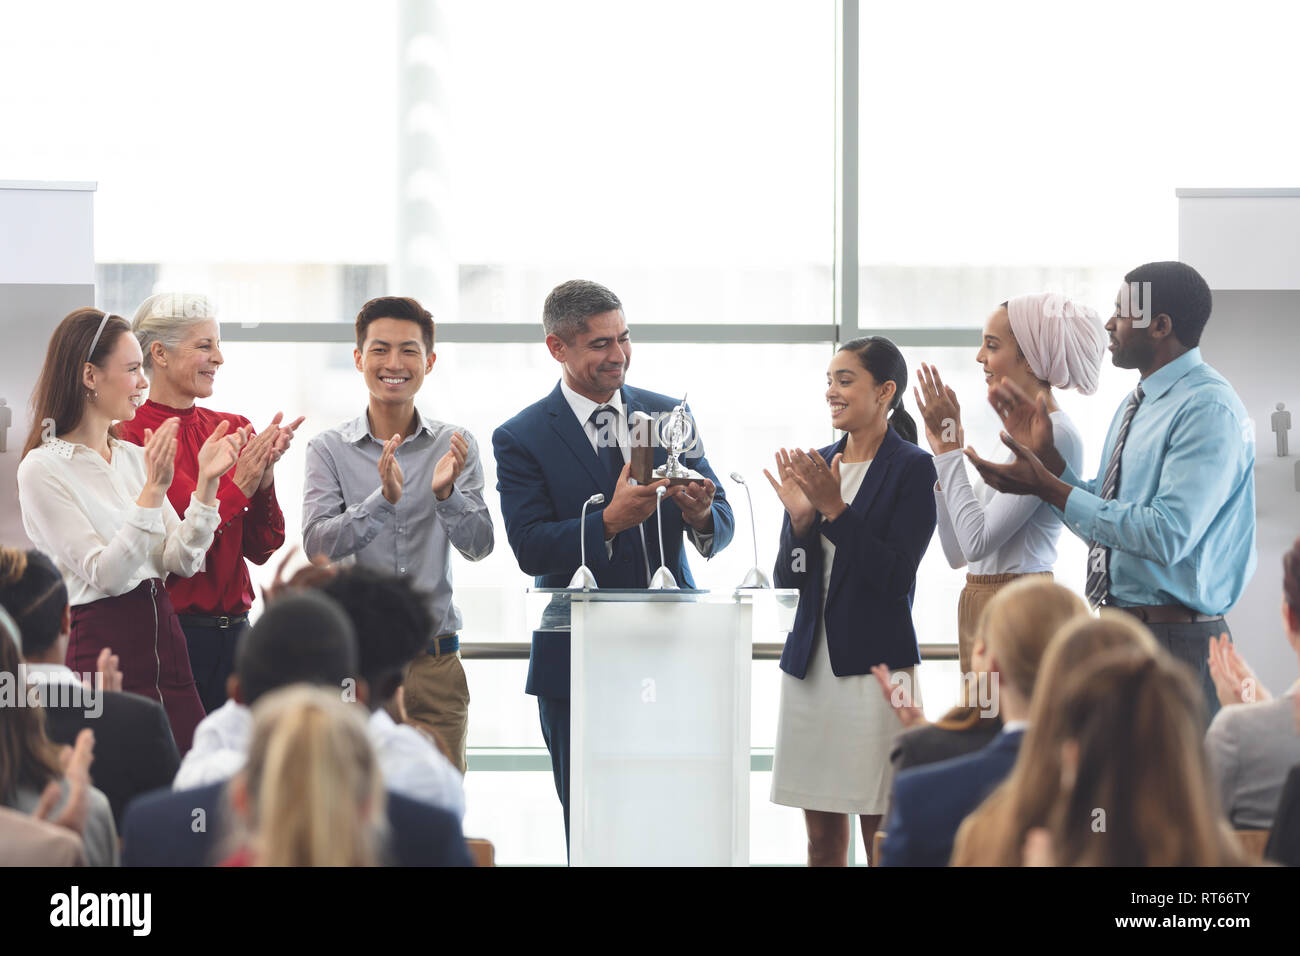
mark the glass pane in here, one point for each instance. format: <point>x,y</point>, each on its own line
<point>1030,146</point>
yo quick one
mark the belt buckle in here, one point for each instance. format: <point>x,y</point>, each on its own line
<point>223,622</point>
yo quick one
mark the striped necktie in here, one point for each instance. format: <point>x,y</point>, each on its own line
<point>1099,555</point>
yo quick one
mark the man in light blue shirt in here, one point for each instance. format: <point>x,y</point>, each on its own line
<point>1170,519</point>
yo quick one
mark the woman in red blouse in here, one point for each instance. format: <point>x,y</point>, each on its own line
<point>180,339</point>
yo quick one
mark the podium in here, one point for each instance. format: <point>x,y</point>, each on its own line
<point>659,715</point>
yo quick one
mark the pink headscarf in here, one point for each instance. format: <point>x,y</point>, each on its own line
<point>1064,342</point>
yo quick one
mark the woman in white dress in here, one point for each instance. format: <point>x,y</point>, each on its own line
<point>859,515</point>
<point>1039,342</point>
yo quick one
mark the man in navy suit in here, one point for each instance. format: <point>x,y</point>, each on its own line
<point>557,453</point>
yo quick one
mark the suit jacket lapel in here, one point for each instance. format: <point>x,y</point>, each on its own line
<point>866,494</point>
<point>572,434</point>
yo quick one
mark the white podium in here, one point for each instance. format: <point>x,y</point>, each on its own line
<point>659,727</point>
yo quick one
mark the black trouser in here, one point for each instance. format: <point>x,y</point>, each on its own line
<point>554,712</point>
<point>1189,642</point>
<point>212,659</point>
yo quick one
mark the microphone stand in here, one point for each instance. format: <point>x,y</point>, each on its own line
<point>755,577</point>
<point>583,578</point>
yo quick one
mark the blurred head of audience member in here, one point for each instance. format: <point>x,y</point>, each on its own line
<point>302,637</point>
<point>1135,782</point>
<point>33,592</point>
<point>993,834</point>
<point>28,760</point>
<point>392,622</point>
<point>311,793</point>
<point>1016,627</point>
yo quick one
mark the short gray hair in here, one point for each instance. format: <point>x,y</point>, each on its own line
<point>572,303</point>
<point>167,318</point>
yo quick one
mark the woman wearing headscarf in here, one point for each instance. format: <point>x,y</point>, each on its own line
<point>1039,342</point>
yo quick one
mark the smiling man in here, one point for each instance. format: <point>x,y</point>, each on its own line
<point>398,491</point>
<point>556,454</point>
<point>1170,519</point>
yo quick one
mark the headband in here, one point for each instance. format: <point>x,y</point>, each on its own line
<point>95,341</point>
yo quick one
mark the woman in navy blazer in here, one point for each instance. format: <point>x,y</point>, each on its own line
<point>859,516</point>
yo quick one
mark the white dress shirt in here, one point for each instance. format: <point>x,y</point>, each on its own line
<point>582,409</point>
<point>81,511</point>
<point>409,762</point>
<point>997,533</point>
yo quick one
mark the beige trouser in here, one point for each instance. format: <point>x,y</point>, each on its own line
<point>977,593</point>
<point>437,696</point>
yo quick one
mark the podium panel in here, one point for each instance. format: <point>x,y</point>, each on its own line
<point>659,728</point>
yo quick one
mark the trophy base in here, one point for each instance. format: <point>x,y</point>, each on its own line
<point>684,477</point>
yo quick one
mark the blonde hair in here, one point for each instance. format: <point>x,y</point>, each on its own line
<point>1020,621</point>
<point>994,834</point>
<point>167,318</point>
<point>315,796</point>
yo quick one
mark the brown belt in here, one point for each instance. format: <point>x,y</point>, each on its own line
<point>1166,614</point>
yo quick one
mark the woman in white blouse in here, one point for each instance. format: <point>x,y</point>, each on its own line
<point>1039,342</point>
<point>98,506</point>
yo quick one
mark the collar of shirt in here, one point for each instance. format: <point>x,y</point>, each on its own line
<point>1163,378</point>
<point>1011,726</point>
<point>53,672</point>
<point>359,428</point>
<point>66,449</point>
<point>583,406</point>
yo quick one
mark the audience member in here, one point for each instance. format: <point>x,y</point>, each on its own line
<point>135,752</point>
<point>1135,784</point>
<point>302,637</point>
<point>994,834</point>
<point>1252,741</point>
<point>33,780</point>
<point>311,793</point>
<point>930,802</point>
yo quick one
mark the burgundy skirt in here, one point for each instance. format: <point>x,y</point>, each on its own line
<point>142,629</point>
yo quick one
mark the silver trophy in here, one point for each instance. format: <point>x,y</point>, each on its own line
<point>678,434</point>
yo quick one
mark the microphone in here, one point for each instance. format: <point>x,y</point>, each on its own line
<point>755,578</point>
<point>583,578</point>
<point>663,579</point>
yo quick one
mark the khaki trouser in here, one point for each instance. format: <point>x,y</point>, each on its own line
<point>977,593</point>
<point>437,696</point>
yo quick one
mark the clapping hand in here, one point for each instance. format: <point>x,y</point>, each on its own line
<point>159,462</point>
<point>940,410</point>
<point>218,455</point>
<point>1234,681</point>
<point>795,502</point>
<point>1023,475</point>
<point>1027,420</point>
<point>450,466</point>
<point>899,696</point>
<point>76,761</point>
<point>390,472</point>
<point>819,481</point>
<point>108,666</point>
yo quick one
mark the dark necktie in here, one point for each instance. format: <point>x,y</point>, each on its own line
<point>1099,555</point>
<point>605,418</point>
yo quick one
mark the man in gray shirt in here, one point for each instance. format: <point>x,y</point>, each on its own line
<point>397,490</point>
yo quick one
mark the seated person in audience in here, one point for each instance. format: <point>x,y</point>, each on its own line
<point>39,839</point>
<point>929,803</point>
<point>1284,837</point>
<point>36,776</point>
<point>134,749</point>
<point>1254,744</point>
<point>962,730</point>
<point>1136,787</point>
<point>393,624</point>
<point>311,793</point>
<point>302,637</point>
<point>994,834</point>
